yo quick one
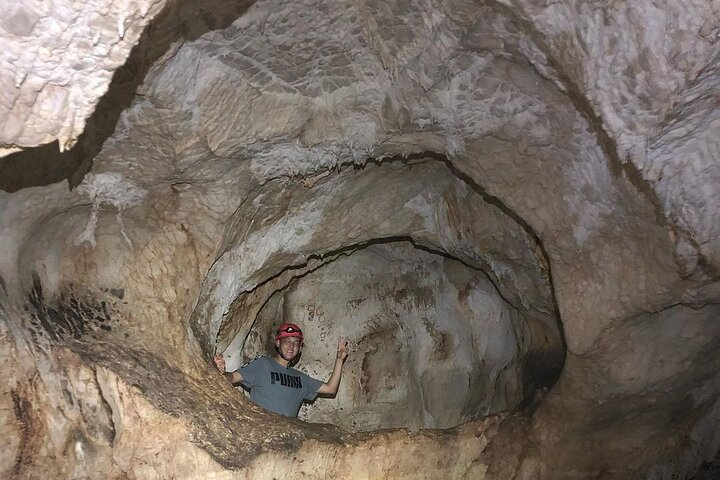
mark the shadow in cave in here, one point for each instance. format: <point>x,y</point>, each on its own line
<point>181,20</point>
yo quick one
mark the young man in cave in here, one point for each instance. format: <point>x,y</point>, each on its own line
<point>274,384</point>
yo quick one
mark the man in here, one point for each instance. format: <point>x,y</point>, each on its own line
<point>272,381</point>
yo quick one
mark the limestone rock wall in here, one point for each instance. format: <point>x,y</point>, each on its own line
<point>57,61</point>
<point>433,343</point>
<point>566,150</point>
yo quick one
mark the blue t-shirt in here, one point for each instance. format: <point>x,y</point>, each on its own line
<point>277,388</point>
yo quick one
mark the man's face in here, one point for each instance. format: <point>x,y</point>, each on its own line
<point>289,347</point>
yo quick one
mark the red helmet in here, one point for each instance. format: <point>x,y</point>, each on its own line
<point>288,330</point>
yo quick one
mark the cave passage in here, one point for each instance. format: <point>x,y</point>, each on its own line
<point>438,337</point>
<point>509,208</point>
<point>433,343</point>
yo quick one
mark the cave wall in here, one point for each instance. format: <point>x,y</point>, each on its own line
<point>433,343</point>
<point>557,147</point>
<point>58,60</point>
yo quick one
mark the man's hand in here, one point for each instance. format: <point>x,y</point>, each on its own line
<point>234,377</point>
<point>342,351</point>
<point>219,362</point>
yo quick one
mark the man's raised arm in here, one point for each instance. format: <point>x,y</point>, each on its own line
<point>331,386</point>
<point>233,377</point>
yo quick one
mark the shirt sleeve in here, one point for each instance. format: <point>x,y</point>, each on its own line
<point>251,372</point>
<point>311,386</point>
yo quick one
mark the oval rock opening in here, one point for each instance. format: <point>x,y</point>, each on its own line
<point>433,342</point>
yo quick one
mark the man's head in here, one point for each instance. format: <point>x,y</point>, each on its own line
<point>288,341</point>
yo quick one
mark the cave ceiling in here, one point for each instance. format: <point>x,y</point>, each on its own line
<point>510,208</point>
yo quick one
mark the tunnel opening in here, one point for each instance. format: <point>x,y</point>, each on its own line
<point>446,326</point>
<point>434,344</point>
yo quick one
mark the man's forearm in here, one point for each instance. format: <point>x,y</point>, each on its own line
<point>331,386</point>
<point>233,377</point>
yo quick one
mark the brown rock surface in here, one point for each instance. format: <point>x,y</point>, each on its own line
<point>509,207</point>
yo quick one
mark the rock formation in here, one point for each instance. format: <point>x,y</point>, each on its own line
<point>510,208</point>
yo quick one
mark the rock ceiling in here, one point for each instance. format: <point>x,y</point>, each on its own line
<point>509,207</point>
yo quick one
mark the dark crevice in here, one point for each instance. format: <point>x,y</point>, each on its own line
<point>705,266</point>
<point>22,409</point>
<point>43,165</point>
<point>709,470</point>
<point>70,316</point>
<point>107,410</point>
<point>180,20</point>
